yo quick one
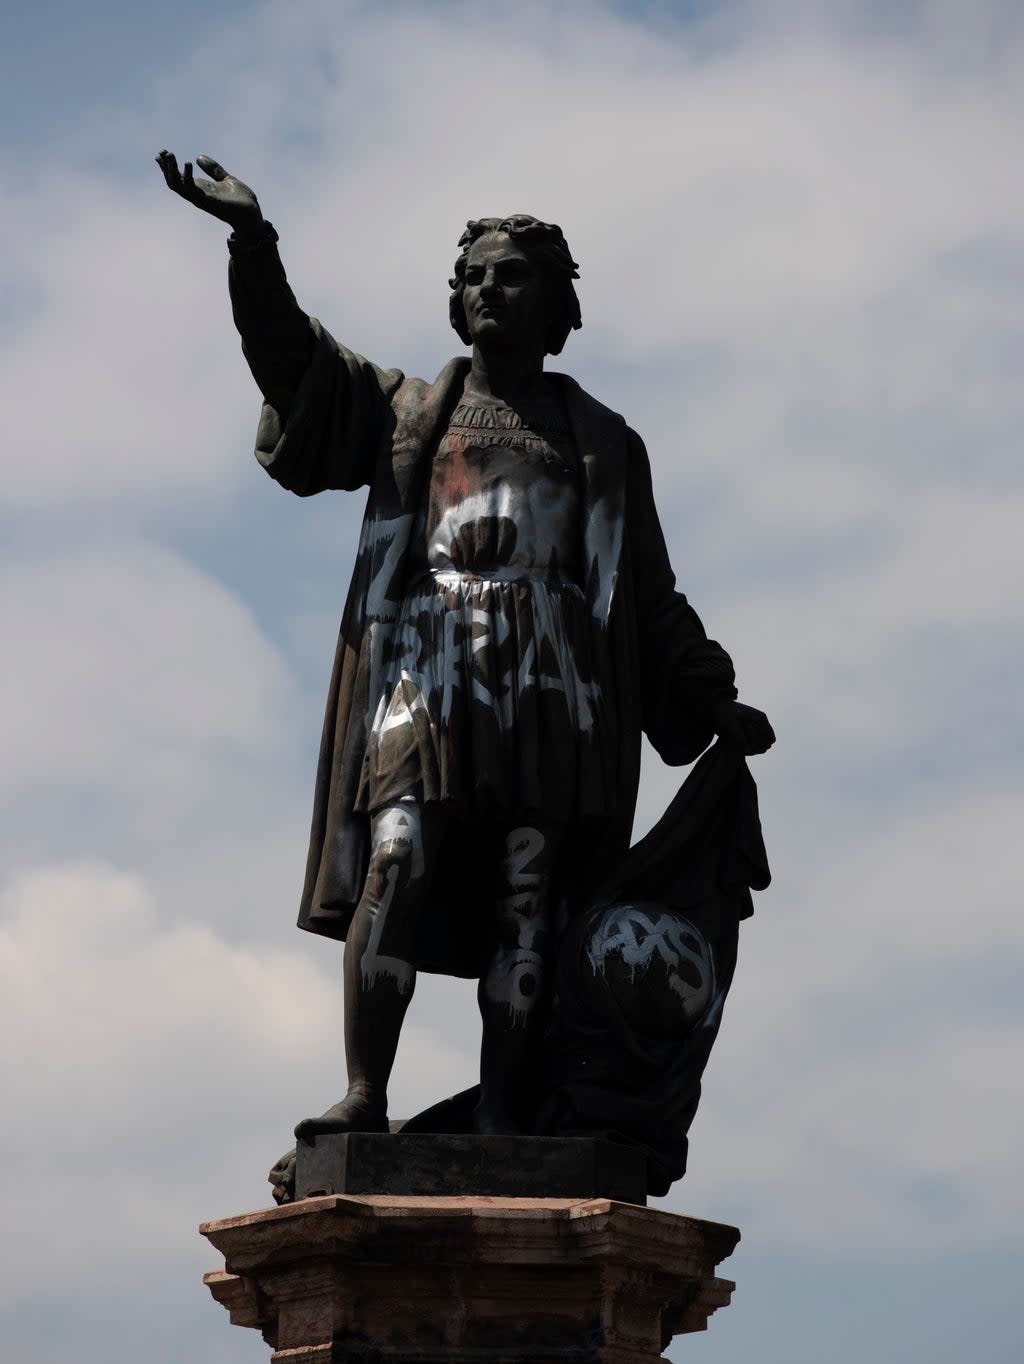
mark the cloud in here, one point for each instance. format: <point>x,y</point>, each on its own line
<point>126,651</point>
<point>800,246</point>
<point>109,395</point>
<point>146,716</point>
<point>160,1066</point>
<point>866,1055</point>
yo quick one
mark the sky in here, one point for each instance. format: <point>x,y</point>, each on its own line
<point>799,226</point>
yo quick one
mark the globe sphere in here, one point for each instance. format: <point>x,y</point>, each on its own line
<point>650,964</point>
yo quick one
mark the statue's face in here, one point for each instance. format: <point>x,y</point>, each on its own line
<point>505,298</point>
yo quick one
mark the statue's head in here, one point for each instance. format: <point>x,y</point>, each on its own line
<point>535,273</point>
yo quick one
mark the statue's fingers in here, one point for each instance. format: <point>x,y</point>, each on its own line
<point>196,190</point>
<point>213,168</point>
<point>193,190</point>
<point>168,163</point>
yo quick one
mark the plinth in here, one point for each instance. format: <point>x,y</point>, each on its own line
<point>401,1279</point>
<point>500,1167</point>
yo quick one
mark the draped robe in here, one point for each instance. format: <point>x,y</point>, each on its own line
<point>332,420</point>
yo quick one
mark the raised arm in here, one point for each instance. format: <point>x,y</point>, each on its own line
<point>326,410</point>
<point>276,336</point>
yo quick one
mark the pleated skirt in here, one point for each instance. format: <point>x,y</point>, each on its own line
<point>492,700</point>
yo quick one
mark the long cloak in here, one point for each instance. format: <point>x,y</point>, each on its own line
<point>349,424</point>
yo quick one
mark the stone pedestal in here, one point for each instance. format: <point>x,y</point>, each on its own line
<point>433,1280</point>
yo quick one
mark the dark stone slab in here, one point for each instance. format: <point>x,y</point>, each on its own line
<point>460,1164</point>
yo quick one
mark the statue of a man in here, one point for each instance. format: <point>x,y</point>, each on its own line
<point>511,630</point>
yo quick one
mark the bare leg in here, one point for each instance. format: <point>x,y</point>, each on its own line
<point>513,992</point>
<point>378,987</point>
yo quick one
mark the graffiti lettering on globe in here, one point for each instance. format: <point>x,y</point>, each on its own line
<point>658,966</point>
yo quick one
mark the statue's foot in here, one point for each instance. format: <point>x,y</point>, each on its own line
<point>355,1113</point>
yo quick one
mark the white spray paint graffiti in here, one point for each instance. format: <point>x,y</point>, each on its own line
<point>515,976</point>
<point>398,837</point>
<point>638,936</point>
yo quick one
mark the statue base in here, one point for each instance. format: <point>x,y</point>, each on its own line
<point>388,1279</point>
<point>456,1164</point>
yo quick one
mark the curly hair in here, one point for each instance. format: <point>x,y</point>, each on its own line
<point>547,248</point>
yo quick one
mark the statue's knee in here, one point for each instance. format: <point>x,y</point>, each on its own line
<point>398,853</point>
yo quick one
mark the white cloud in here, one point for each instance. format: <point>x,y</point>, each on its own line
<point>122,385</point>
<point>800,249</point>
<point>136,691</point>
<point>155,1069</point>
<point>863,1078</point>
<point>127,656</point>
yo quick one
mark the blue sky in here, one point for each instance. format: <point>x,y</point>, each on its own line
<point>800,231</point>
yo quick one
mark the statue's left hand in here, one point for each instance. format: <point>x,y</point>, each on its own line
<point>748,729</point>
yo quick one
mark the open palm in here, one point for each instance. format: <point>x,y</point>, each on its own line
<point>222,196</point>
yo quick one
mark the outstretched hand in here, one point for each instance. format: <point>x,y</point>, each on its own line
<point>222,195</point>
<point>748,729</point>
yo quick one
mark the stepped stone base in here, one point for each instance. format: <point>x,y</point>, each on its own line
<point>385,1279</point>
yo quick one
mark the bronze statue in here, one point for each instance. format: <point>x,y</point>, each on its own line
<point>511,630</point>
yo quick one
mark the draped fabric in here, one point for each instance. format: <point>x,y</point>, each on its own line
<point>608,1072</point>
<point>485,688</point>
<point>333,420</point>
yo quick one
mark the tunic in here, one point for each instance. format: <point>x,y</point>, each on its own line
<point>489,671</point>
